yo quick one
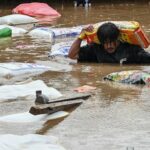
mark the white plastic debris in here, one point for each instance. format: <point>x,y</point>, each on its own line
<point>27,117</point>
<point>29,142</point>
<point>17,68</point>
<point>8,92</point>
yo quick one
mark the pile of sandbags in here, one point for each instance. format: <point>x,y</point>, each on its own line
<point>27,13</point>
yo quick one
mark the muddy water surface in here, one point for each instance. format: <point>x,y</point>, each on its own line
<point>117,116</point>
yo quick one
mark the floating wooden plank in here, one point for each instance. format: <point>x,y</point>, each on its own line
<point>51,108</point>
<point>70,98</point>
<point>59,104</point>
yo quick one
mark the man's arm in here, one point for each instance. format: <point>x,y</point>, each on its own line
<point>75,48</point>
<point>73,52</point>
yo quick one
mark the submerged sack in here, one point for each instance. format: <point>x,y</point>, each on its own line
<point>130,32</point>
<point>52,33</point>
<point>130,77</point>
<point>62,48</point>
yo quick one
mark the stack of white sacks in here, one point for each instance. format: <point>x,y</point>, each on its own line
<point>26,90</point>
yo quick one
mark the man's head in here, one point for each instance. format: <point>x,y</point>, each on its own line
<point>108,34</point>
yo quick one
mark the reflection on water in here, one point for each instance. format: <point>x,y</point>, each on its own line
<point>115,111</point>
<point>51,123</point>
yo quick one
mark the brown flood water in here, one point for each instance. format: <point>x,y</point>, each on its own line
<point>117,116</point>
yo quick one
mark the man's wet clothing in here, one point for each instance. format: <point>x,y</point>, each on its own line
<point>125,53</point>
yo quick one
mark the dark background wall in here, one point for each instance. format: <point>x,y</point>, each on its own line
<point>14,2</point>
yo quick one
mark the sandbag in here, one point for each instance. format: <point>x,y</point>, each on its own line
<point>11,69</point>
<point>130,77</point>
<point>15,31</point>
<point>130,32</point>
<point>27,89</point>
<point>15,19</point>
<point>62,48</point>
<point>42,33</point>
<point>5,32</point>
<point>52,33</point>
<point>36,9</point>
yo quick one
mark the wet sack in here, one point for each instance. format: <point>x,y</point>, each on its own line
<point>130,77</point>
<point>130,32</point>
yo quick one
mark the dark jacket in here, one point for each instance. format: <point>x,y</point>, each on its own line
<point>125,53</point>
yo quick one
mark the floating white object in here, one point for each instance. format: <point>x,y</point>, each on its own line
<point>8,92</point>
<point>42,33</point>
<point>15,19</point>
<point>29,142</point>
<point>17,68</point>
<point>27,117</point>
<point>62,48</point>
<point>52,33</point>
<point>16,31</point>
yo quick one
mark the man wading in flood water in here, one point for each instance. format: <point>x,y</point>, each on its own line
<point>111,49</point>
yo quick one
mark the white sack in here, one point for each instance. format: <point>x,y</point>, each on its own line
<point>42,33</point>
<point>15,19</point>
<point>64,32</point>
<point>29,142</point>
<point>8,92</point>
<point>16,68</point>
<point>27,117</point>
<point>52,33</point>
<point>62,48</point>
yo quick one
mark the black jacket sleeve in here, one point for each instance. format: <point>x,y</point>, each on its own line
<point>141,55</point>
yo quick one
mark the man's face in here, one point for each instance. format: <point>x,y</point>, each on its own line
<point>110,46</point>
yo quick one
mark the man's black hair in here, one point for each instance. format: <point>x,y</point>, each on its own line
<point>108,31</point>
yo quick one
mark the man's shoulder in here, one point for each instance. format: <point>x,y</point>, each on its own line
<point>129,46</point>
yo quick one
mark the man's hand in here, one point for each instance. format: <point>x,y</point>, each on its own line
<point>89,28</point>
<point>74,50</point>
